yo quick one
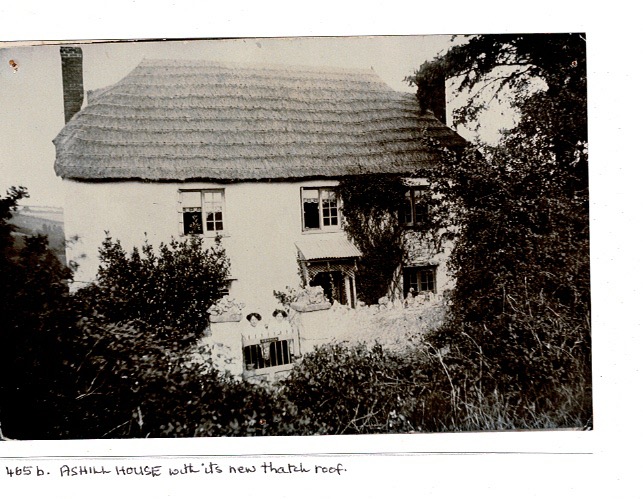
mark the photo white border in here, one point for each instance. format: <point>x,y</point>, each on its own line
<point>504,464</point>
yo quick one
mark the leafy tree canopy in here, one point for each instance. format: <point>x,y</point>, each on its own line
<point>520,208</point>
<point>542,77</point>
<point>485,65</point>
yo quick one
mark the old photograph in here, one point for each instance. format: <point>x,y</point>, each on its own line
<point>294,236</point>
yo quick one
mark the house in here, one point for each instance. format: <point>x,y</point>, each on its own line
<point>250,153</point>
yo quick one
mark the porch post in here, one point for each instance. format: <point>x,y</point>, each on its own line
<point>354,286</point>
<point>348,289</point>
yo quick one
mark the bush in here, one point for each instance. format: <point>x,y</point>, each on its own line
<point>360,389</point>
<point>130,384</point>
<point>445,383</point>
<point>169,291</point>
<point>536,365</point>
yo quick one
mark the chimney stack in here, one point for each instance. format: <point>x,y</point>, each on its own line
<point>72,69</point>
<point>436,95</point>
<point>431,90</point>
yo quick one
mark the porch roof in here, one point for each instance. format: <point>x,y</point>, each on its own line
<point>319,247</point>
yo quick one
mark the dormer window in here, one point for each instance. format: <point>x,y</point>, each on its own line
<point>320,209</point>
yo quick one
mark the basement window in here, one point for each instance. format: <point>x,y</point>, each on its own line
<point>201,212</point>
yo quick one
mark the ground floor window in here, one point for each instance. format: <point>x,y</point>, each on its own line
<point>419,280</point>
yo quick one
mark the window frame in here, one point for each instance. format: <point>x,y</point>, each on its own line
<point>415,280</point>
<point>320,210</point>
<point>205,232</point>
<point>412,190</point>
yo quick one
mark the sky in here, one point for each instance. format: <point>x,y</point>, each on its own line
<point>31,102</point>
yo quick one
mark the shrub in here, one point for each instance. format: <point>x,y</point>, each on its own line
<point>536,363</point>
<point>129,384</point>
<point>362,389</point>
<point>170,290</point>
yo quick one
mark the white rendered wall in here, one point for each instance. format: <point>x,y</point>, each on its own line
<point>262,221</point>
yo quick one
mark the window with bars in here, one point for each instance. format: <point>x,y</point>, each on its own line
<point>202,211</point>
<point>320,208</point>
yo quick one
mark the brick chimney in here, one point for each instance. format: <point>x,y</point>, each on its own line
<point>435,99</point>
<point>72,69</point>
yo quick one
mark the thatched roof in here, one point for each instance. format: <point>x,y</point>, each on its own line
<point>184,120</point>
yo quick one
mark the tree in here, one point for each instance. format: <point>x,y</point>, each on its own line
<point>542,77</point>
<point>33,294</point>
<point>521,260</point>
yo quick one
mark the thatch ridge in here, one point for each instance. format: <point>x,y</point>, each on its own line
<point>182,120</point>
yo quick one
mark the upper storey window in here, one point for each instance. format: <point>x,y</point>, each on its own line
<point>320,208</point>
<point>416,207</point>
<point>202,211</point>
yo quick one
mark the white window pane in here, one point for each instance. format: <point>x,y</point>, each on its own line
<point>329,194</point>
<point>310,195</point>
<point>212,197</point>
<point>191,199</point>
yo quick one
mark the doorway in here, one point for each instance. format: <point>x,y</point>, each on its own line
<point>332,283</point>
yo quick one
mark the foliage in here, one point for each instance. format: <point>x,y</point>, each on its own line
<point>8,206</point>
<point>371,207</point>
<point>131,384</point>
<point>286,297</point>
<point>512,62</point>
<point>541,77</point>
<point>351,389</point>
<point>520,310</point>
<point>365,390</point>
<point>170,291</point>
<point>33,292</point>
